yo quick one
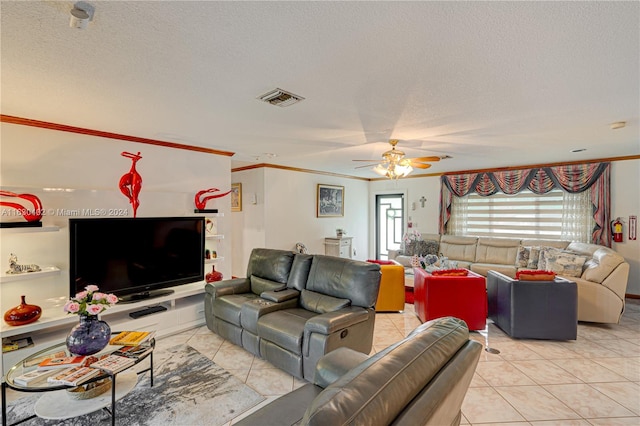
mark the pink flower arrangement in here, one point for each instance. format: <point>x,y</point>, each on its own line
<point>90,302</point>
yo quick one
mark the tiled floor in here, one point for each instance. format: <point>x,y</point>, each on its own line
<point>594,380</point>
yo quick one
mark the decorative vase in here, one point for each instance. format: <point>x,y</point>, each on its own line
<point>88,337</point>
<point>23,313</point>
<point>213,275</point>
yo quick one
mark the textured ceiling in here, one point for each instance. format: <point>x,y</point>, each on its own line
<point>490,83</point>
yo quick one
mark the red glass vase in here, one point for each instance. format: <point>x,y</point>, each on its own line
<point>213,275</point>
<point>23,313</point>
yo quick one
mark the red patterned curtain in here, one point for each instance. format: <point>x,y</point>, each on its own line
<point>594,177</point>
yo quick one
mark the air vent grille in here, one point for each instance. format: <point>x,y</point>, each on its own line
<point>281,98</point>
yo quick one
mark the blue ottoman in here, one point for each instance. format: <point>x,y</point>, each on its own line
<point>533,309</point>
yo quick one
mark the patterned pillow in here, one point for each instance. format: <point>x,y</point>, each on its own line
<point>522,256</point>
<point>562,262</point>
<point>534,256</point>
<point>422,248</point>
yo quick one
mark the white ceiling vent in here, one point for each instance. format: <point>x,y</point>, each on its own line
<point>280,98</point>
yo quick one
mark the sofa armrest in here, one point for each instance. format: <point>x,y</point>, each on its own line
<point>394,253</point>
<point>280,295</point>
<point>335,364</point>
<point>331,322</point>
<point>233,286</point>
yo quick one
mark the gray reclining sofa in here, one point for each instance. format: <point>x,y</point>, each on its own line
<point>421,380</point>
<point>293,308</point>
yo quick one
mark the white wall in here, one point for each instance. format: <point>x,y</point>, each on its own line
<point>625,201</point>
<point>287,203</point>
<point>88,169</point>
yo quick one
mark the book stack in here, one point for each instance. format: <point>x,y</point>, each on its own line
<point>33,377</point>
<point>134,352</point>
<point>73,376</point>
<point>61,362</point>
<point>113,363</point>
<point>132,338</point>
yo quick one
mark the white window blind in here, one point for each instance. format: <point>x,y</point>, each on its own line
<point>524,215</point>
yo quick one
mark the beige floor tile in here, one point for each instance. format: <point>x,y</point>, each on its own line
<point>270,381</point>
<point>621,347</point>
<point>230,357</point>
<point>595,331</point>
<point>620,421</point>
<point>587,401</point>
<point>486,405</point>
<point>624,393</point>
<point>240,374</point>
<point>477,381</point>
<point>551,350</point>
<point>563,422</point>
<point>588,371</point>
<point>514,350</point>
<point>543,372</point>
<point>589,349</point>
<point>535,403</point>
<point>502,373</point>
<point>206,344</point>
<point>629,368</point>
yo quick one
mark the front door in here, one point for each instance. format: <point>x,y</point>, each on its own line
<point>389,223</point>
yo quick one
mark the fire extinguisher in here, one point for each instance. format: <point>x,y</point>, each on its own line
<point>616,230</point>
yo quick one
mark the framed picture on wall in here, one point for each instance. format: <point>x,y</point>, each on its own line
<point>236,197</point>
<point>330,201</point>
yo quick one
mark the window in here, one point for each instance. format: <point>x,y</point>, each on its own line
<point>554,215</point>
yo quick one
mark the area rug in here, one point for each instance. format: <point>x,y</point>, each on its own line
<point>408,295</point>
<point>188,390</point>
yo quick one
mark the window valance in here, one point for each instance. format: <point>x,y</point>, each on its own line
<point>574,178</point>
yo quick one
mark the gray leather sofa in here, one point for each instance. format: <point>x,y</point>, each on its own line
<point>421,380</point>
<point>293,308</point>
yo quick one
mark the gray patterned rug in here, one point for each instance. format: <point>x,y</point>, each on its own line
<point>188,389</point>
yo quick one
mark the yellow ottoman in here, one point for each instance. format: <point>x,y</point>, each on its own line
<point>391,294</point>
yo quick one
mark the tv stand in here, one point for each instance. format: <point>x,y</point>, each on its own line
<point>147,311</point>
<point>183,310</point>
<point>136,297</point>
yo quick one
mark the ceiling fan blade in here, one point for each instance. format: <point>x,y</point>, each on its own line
<point>366,165</point>
<point>370,161</point>
<point>434,158</point>
<point>420,165</point>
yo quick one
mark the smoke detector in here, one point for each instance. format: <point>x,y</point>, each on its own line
<point>281,98</point>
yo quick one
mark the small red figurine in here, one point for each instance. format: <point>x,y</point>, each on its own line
<point>202,203</point>
<point>32,215</point>
<point>131,183</point>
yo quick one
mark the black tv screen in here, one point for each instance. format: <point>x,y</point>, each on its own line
<point>135,258</point>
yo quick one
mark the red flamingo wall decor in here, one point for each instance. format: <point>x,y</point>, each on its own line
<point>201,203</point>
<point>32,216</point>
<point>131,182</point>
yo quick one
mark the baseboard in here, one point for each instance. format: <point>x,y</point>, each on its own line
<point>632,296</point>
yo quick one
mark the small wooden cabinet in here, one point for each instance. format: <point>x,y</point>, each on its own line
<point>339,247</point>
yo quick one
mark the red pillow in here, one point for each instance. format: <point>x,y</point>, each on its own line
<point>381,262</point>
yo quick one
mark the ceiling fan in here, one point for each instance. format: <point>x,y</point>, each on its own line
<point>394,165</point>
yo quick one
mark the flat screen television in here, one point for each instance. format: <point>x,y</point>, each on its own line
<point>135,258</point>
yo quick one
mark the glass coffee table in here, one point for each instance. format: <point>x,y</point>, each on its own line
<point>54,404</point>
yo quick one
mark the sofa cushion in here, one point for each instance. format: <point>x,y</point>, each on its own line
<point>484,268</point>
<point>345,279</point>
<point>300,271</point>
<point>321,303</point>
<point>561,262</point>
<point>229,307</point>
<point>260,285</point>
<point>500,251</point>
<point>459,248</point>
<point>534,257</point>
<point>285,328</point>
<point>271,264</point>
<point>522,256</point>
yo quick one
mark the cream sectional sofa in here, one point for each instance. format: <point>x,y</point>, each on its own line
<point>602,279</point>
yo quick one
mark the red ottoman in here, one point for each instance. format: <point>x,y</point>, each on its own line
<point>463,297</point>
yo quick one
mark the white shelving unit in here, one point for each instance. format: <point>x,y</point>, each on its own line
<point>44,272</point>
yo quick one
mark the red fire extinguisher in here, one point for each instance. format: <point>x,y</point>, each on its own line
<point>616,230</point>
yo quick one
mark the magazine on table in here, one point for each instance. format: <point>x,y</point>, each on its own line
<point>33,377</point>
<point>113,363</point>
<point>74,376</point>
<point>61,362</point>
<point>132,338</point>
<point>135,352</point>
